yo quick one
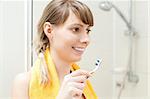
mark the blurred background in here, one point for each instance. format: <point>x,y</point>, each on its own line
<point>120,37</point>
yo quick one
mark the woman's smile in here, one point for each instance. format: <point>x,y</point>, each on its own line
<point>79,50</point>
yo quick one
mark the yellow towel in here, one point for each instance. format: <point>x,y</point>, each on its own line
<point>50,91</point>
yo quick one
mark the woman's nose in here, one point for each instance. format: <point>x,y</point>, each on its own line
<point>85,39</point>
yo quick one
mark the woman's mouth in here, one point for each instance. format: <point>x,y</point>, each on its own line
<point>79,50</point>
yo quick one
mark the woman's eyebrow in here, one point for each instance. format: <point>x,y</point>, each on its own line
<point>77,24</point>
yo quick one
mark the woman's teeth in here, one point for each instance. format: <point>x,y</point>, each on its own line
<point>79,49</point>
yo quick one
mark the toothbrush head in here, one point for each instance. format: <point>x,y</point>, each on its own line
<point>97,64</point>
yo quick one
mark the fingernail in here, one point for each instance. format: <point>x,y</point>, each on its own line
<point>88,77</point>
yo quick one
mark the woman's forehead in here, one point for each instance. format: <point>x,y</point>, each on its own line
<point>74,20</point>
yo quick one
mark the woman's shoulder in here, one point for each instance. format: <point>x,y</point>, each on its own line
<point>23,78</point>
<point>20,84</point>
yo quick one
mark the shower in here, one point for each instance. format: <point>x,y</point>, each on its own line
<point>130,74</point>
<point>107,6</point>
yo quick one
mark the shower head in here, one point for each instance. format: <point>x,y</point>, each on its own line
<point>105,5</point>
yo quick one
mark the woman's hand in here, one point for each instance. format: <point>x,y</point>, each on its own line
<point>73,85</point>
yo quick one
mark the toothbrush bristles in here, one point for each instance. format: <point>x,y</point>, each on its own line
<point>97,63</point>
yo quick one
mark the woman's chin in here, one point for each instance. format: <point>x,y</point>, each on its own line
<point>76,59</point>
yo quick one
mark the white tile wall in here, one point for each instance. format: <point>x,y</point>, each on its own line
<point>148,50</point>
<point>1,48</point>
<point>12,46</point>
<point>140,60</point>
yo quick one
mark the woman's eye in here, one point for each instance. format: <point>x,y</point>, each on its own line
<point>76,29</point>
<point>80,30</point>
<point>88,31</point>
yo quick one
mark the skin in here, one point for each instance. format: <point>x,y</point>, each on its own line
<point>20,86</point>
<point>68,41</point>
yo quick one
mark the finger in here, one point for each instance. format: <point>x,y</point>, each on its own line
<point>75,92</point>
<point>80,72</point>
<point>80,79</point>
<point>77,96</point>
<point>77,85</point>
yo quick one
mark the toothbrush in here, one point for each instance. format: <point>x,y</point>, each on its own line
<point>97,63</point>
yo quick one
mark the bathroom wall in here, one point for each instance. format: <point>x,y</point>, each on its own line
<point>0,49</point>
<point>140,48</point>
<point>148,50</point>
<point>12,43</point>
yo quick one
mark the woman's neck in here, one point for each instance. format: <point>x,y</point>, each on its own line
<point>62,67</point>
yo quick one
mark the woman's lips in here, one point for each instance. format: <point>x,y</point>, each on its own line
<point>79,50</point>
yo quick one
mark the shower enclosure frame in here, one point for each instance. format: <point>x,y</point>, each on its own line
<point>29,34</point>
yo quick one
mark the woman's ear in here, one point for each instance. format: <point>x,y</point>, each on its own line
<point>48,29</point>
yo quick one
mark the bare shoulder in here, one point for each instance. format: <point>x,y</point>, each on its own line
<point>20,85</point>
<point>22,78</point>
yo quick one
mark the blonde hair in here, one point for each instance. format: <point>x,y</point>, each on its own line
<point>57,12</point>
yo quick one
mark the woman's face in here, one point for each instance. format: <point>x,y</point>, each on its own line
<point>70,39</point>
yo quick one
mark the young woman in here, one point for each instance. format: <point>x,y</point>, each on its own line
<point>63,35</point>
